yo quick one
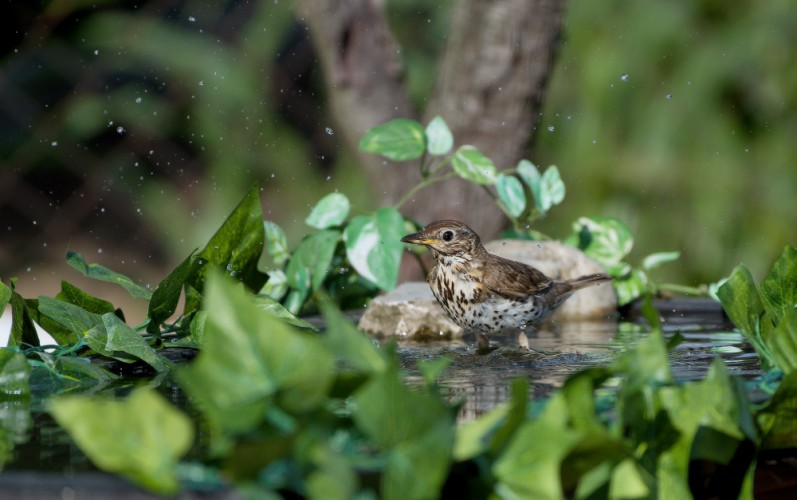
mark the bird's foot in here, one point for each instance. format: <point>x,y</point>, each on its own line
<point>483,343</point>
<point>523,343</point>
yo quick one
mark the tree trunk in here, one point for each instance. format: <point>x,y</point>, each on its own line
<point>490,88</point>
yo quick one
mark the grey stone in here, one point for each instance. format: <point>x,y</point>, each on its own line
<point>409,311</point>
<point>412,312</point>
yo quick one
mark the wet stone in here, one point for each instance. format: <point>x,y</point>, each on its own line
<point>411,311</point>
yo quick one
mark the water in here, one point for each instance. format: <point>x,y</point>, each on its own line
<point>481,380</point>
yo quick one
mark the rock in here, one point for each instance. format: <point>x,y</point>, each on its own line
<point>561,261</point>
<point>411,311</point>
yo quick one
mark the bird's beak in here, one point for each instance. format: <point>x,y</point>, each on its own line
<point>419,239</point>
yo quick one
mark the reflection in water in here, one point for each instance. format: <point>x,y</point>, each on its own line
<point>483,381</point>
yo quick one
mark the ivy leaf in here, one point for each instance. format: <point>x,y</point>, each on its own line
<point>510,191</point>
<point>779,288</point>
<point>74,295</point>
<point>655,260</point>
<point>311,260</point>
<point>276,243</point>
<point>397,140</point>
<point>167,295</point>
<point>122,338</point>
<point>439,137</point>
<point>471,164</point>
<point>330,211</point>
<point>141,437</point>
<point>237,245</point>
<point>373,246</point>
<point>605,239</point>
<point>551,189</point>
<point>102,273</point>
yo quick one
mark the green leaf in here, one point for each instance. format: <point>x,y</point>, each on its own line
<point>279,311</point>
<point>62,374</point>
<point>472,435</point>
<point>167,295</point>
<point>74,318</point>
<point>250,361</point>
<point>413,427</point>
<point>276,243</point>
<point>439,137</point>
<point>141,437</point>
<point>122,338</point>
<point>374,248</point>
<point>511,193</point>
<point>782,342</point>
<point>551,189</point>
<point>470,164</point>
<point>605,239</point>
<point>630,287</point>
<point>102,273</point>
<point>778,417</point>
<point>277,285</point>
<point>23,331</point>
<point>311,260</point>
<point>779,288</point>
<point>655,260</point>
<point>351,345</point>
<point>5,297</point>
<point>14,371</point>
<point>529,173</point>
<point>74,295</point>
<point>398,140</point>
<point>330,211</point>
<point>237,245</point>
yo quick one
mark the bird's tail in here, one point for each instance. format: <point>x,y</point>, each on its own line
<point>587,280</point>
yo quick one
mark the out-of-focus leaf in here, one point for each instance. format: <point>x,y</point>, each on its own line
<point>102,273</point>
<point>167,295</point>
<point>276,243</point>
<point>277,285</point>
<point>330,211</point>
<point>605,239</point>
<point>439,137</point>
<point>511,193</point>
<point>471,164</point>
<point>655,260</point>
<point>373,246</point>
<point>333,477</point>
<point>529,173</point>
<point>778,418</point>
<point>279,311</point>
<point>630,286</point>
<point>345,341</point>
<point>398,140</point>
<point>141,437</point>
<point>250,361</point>
<point>61,374</point>
<point>414,428</point>
<point>14,373</point>
<point>236,246</point>
<point>779,288</point>
<point>311,260</point>
<point>742,303</point>
<point>473,435</point>
<point>551,189</point>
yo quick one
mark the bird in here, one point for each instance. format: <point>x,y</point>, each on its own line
<point>485,293</point>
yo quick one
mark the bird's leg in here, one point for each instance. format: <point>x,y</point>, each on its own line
<point>523,341</point>
<point>483,342</point>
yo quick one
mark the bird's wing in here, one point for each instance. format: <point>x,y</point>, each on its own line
<point>513,279</point>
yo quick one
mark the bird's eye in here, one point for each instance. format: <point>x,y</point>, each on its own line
<point>448,236</point>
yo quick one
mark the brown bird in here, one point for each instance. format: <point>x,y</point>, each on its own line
<point>486,293</point>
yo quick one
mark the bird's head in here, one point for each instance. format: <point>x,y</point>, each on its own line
<point>446,237</point>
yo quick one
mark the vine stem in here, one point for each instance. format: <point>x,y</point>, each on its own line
<point>425,183</point>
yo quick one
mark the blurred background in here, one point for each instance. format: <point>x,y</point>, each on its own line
<point>128,130</point>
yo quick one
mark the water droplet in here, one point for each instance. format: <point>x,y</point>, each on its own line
<point>551,128</point>
<point>191,19</point>
<point>668,96</point>
<point>96,52</point>
<point>34,223</point>
<point>54,144</point>
<point>99,250</point>
<point>594,141</point>
<point>120,130</point>
<point>329,177</point>
<point>229,267</point>
<point>138,100</point>
<point>329,130</point>
<point>201,83</point>
<point>624,77</point>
